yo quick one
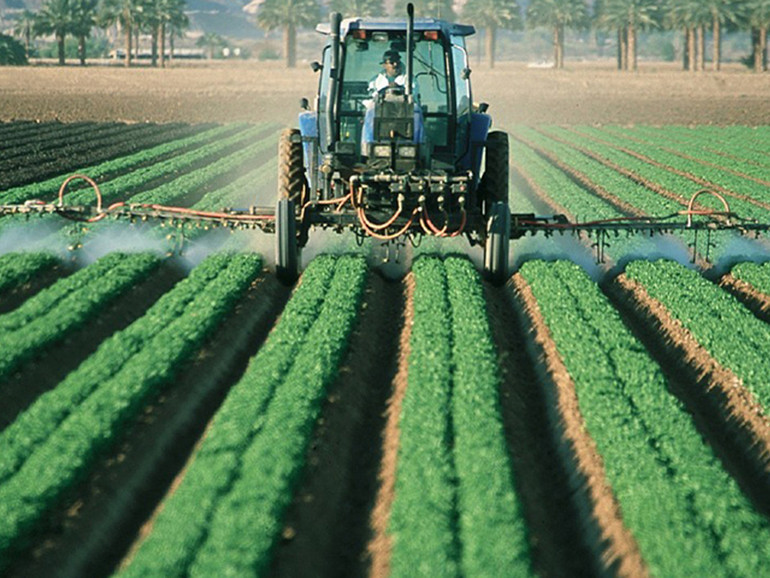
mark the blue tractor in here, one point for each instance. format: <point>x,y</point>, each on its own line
<point>395,155</point>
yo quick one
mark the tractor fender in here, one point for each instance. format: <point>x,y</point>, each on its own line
<point>308,128</point>
<point>480,125</point>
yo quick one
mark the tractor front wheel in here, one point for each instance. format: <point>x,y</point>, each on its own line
<point>497,245</point>
<point>291,195</point>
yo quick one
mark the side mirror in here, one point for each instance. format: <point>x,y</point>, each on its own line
<point>483,107</point>
<point>304,104</point>
<point>316,66</point>
<point>465,74</point>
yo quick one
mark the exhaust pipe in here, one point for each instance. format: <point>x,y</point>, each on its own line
<point>409,49</point>
<point>331,101</point>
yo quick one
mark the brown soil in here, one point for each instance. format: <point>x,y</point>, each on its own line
<point>10,300</point>
<point>379,546</point>
<point>756,301</point>
<point>583,93</point>
<point>725,412</point>
<point>327,527</point>
<point>556,536</point>
<point>614,548</point>
<point>97,523</point>
<point>52,365</point>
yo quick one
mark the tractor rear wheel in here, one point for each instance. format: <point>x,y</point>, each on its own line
<point>494,181</point>
<point>497,244</point>
<point>291,196</point>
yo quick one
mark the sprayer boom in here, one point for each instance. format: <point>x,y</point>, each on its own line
<point>325,215</point>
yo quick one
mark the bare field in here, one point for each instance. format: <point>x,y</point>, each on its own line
<point>251,91</point>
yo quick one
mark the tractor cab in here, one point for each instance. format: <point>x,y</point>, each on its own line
<point>422,123</point>
<point>392,148</point>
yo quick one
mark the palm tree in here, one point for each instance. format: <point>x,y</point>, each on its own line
<point>627,17</point>
<point>557,15</point>
<point>721,12</point>
<point>492,15</point>
<point>24,27</point>
<point>177,23</point>
<point>441,9</point>
<point>211,42</point>
<point>289,15</point>
<point>83,20</point>
<point>55,18</point>
<point>759,18</point>
<point>358,7</point>
<point>124,13</point>
<point>685,14</point>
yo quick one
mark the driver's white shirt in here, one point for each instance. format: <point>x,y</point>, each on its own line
<point>383,81</point>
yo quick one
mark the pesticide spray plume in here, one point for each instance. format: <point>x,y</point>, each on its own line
<point>33,235</point>
<point>120,237</point>
<point>739,248</point>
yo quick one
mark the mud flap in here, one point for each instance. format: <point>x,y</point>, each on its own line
<point>497,245</point>
<point>286,248</point>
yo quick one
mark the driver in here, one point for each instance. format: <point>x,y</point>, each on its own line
<point>392,73</point>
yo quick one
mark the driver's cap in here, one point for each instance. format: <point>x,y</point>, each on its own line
<point>391,56</point>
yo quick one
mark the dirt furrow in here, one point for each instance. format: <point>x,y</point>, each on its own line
<point>51,365</point>
<point>90,534</point>
<point>597,516</point>
<point>725,412</point>
<point>379,546</point>
<point>11,299</point>
<point>327,527</point>
<point>756,301</point>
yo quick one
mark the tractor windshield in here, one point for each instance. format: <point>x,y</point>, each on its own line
<point>366,54</point>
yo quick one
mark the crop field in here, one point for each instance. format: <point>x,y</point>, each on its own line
<point>171,409</point>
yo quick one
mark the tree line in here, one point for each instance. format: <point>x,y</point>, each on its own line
<point>164,20</point>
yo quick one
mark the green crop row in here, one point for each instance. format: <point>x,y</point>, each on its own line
<point>33,426</point>
<point>191,181</point>
<point>226,515</point>
<point>583,205</point>
<point>625,189</point>
<point>741,143</point>
<point>755,274</point>
<point>123,187</point>
<point>712,175</point>
<point>683,186</point>
<point>19,268</point>
<point>454,511</point>
<point>67,454</point>
<point>717,320</point>
<point>687,514</point>
<point>68,304</point>
<point>493,534</point>
<point>47,189</point>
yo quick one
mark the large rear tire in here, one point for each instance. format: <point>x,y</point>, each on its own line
<point>291,196</point>
<point>494,181</point>
<point>497,245</point>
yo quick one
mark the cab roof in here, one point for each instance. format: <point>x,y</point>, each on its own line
<point>393,24</point>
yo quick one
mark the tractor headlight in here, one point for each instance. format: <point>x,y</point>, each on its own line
<point>381,151</point>
<point>407,151</point>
